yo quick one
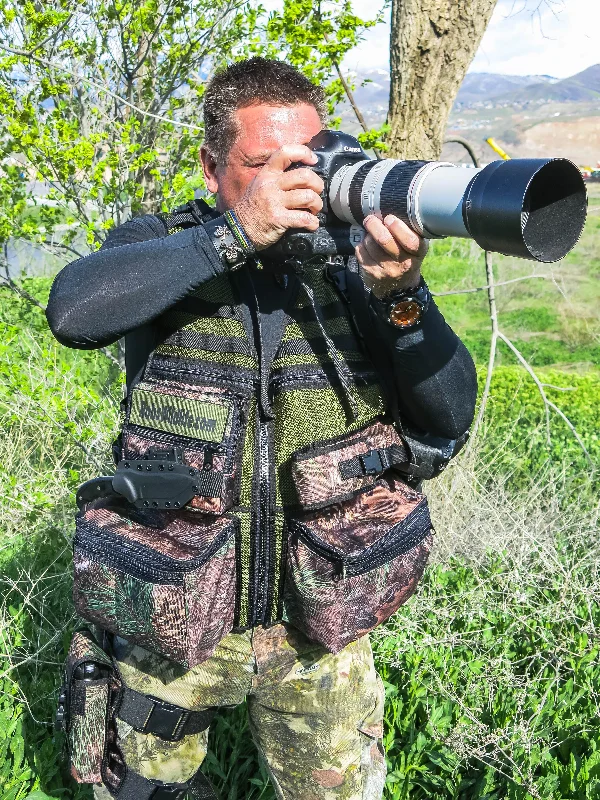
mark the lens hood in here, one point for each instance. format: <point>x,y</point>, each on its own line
<point>532,208</point>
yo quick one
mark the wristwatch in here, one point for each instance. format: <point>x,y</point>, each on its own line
<point>404,308</point>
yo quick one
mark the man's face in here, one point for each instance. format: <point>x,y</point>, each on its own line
<point>261,130</point>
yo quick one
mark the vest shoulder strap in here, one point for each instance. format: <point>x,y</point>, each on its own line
<point>196,212</point>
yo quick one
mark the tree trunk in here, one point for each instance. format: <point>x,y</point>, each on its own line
<point>431,46</point>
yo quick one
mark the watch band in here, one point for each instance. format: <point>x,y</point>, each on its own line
<point>403,309</point>
<point>230,240</point>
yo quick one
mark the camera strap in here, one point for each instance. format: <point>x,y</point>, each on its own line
<point>351,288</point>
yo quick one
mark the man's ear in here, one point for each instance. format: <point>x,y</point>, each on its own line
<point>209,166</point>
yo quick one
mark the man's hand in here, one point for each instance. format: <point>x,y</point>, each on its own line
<point>275,200</point>
<point>391,255</point>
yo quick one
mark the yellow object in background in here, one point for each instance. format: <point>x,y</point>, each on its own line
<point>497,149</point>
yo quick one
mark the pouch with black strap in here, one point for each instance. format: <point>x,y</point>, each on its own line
<point>359,539</point>
<point>93,700</point>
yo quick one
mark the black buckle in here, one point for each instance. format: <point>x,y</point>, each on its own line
<point>166,721</point>
<point>371,462</point>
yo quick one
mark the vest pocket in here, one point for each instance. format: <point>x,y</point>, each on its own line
<point>353,564</point>
<point>166,580</point>
<point>201,426</point>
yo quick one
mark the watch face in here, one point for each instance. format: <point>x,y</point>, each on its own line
<point>406,313</point>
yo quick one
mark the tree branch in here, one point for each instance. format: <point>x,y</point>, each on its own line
<point>488,286</point>
<point>54,65</point>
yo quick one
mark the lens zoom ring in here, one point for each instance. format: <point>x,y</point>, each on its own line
<point>396,186</point>
<point>355,190</point>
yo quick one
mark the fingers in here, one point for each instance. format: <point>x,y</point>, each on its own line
<point>303,198</point>
<point>395,237</point>
<point>301,178</point>
<point>300,219</point>
<point>281,159</point>
<point>380,235</point>
<point>408,240</point>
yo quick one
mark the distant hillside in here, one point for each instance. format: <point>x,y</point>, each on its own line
<point>485,90</point>
<point>529,115</point>
<point>580,88</point>
<point>479,87</point>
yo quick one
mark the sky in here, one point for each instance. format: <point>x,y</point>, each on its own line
<point>560,39</point>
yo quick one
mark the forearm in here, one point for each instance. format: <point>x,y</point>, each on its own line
<point>434,374</point>
<point>128,282</point>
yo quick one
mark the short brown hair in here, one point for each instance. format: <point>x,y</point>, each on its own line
<point>252,82</point>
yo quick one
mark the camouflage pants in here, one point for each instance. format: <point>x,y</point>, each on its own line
<point>315,717</point>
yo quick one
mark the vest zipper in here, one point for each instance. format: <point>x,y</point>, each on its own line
<point>264,529</point>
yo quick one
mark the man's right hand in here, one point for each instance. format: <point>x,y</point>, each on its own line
<point>276,200</point>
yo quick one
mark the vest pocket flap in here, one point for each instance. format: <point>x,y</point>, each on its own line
<point>335,470</point>
<point>396,541</point>
<point>166,580</point>
<point>171,426</point>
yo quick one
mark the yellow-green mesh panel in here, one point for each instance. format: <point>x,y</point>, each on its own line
<point>322,358</point>
<point>310,329</point>
<point>217,290</point>
<point>231,359</point>
<point>248,458</point>
<point>303,416</point>
<point>244,517</point>
<point>278,548</point>
<point>218,326</point>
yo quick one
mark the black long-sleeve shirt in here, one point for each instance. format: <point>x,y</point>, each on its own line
<point>140,272</point>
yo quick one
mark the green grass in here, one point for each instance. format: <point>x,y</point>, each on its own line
<point>554,321</point>
<point>491,671</point>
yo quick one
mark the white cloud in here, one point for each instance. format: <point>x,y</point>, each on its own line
<point>560,38</point>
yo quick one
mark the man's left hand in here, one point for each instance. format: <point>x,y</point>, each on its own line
<point>391,255</point>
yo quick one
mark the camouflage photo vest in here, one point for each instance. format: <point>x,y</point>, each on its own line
<point>298,514</point>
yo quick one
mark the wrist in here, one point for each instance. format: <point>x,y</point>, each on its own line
<point>404,308</point>
<point>230,240</point>
<point>247,221</point>
<point>383,287</point>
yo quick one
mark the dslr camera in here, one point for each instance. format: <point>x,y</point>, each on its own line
<point>533,208</point>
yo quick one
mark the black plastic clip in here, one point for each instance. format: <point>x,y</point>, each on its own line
<point>371,462</point>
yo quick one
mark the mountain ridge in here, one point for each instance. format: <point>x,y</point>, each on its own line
<point>488,90</point>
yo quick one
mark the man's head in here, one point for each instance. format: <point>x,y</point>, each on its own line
<point>251,109</point>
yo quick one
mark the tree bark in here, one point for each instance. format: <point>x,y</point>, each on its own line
<point>431,46</point>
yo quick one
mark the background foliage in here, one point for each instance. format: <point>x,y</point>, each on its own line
<point>492,670</point>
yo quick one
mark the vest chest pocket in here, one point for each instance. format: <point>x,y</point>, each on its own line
<point>166,580</point>
<point>353,562</point>
<point>203,426</point>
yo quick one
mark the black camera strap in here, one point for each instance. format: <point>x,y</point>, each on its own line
<point>351,288</point>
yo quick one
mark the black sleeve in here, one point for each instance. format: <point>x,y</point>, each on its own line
<point>137,274</point>
<point>434,374</point>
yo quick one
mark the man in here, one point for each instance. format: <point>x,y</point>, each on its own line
<point>198,303</point>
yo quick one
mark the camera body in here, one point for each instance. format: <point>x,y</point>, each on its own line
<point>336,151</point>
